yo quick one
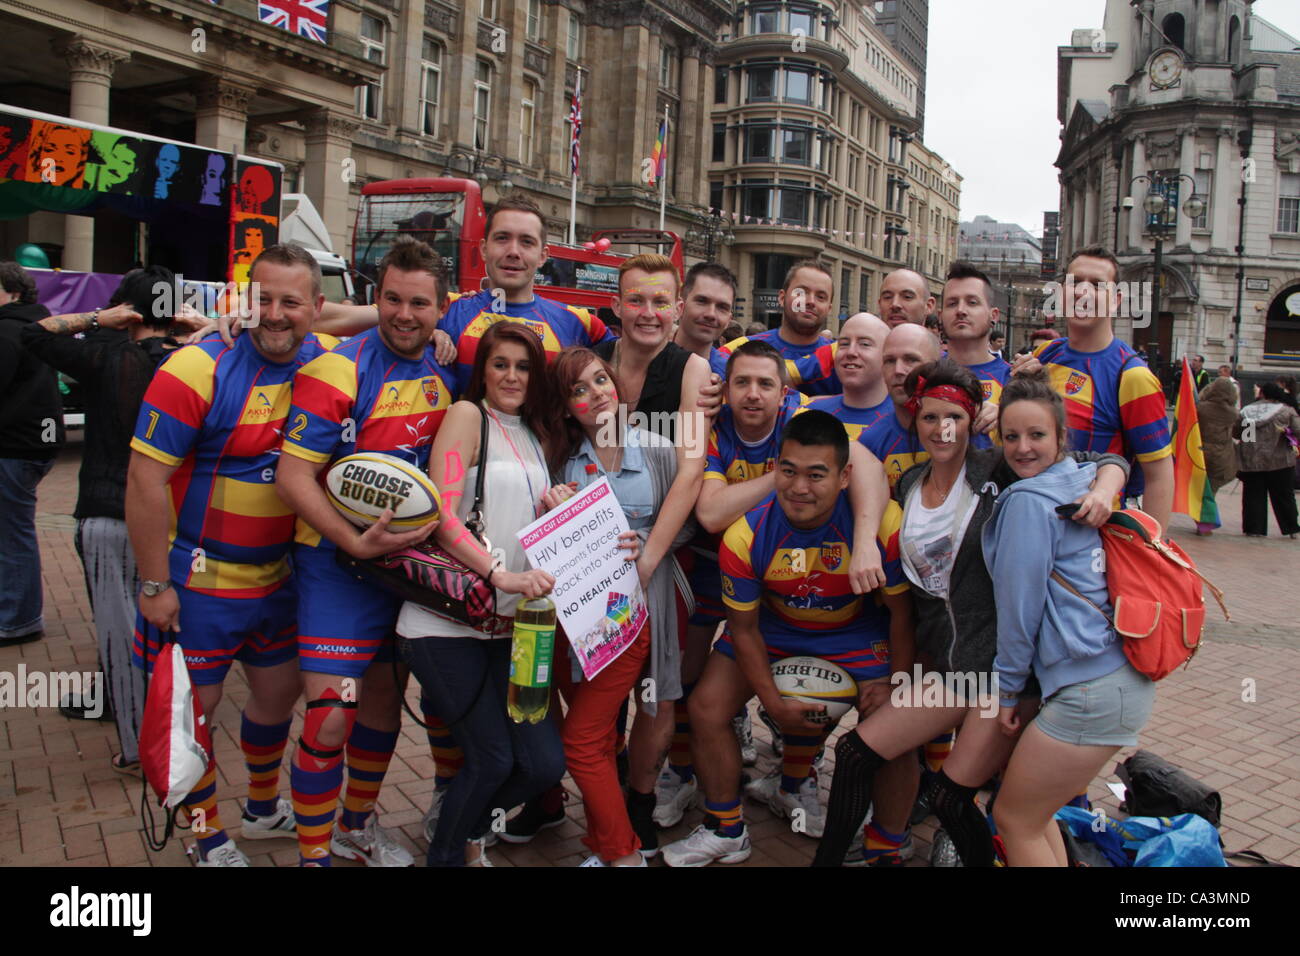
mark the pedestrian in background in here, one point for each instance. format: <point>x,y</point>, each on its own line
<point>1268,429</point>
<point>31,433</point>
<point>1217,412</point>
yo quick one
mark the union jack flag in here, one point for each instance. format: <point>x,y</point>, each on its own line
<point>303,17</point>
<point>575,121</point>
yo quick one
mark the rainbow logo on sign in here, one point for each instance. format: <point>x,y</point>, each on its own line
<point>618,610</point>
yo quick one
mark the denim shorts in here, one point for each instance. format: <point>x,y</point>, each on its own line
<point>1105,712</point>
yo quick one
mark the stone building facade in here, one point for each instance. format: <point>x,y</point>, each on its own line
<point>1202,94</point>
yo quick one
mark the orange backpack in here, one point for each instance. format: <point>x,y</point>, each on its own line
<point>1156,592</point>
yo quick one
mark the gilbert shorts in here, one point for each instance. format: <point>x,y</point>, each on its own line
<point>257,632</point>
<point>344,624</point>
<point>865,658</point>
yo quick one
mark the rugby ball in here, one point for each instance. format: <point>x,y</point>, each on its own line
<point>361,486</point>
<point>817,681</point>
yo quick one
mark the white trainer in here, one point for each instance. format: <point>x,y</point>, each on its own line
<point>225,855</point>
<point>705,846</point>
<point>763,789</point>
<point>592,860</point>
<point>812,816</point>
<point>372,845</point>
<point>482,859</point>
<point>744,731</point>
<point>673,797</point>
<point>281,823</point>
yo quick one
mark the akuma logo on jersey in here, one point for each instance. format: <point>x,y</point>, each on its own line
<point>393,402</point>
<point>832,556</point>
<point>1075,383</point>
<point>262,408</point>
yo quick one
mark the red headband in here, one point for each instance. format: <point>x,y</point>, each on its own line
<point>948,393</point>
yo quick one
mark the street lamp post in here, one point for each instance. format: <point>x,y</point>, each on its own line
<point>480,170</point>
<point>711,232</point>
<point>1156,205</point>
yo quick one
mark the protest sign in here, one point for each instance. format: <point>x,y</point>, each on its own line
<point>597,593</point>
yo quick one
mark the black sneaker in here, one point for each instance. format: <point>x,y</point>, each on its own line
<point>640,811</point>
<point>532,820</point>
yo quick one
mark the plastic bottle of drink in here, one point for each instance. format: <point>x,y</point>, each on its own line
<point>530,660</point>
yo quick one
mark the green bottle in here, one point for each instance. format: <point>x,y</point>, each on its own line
<point>531,653</point>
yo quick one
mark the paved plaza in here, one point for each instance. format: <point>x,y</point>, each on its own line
<point>1231,720</point>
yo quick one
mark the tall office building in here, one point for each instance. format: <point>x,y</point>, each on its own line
<point>906,24</point>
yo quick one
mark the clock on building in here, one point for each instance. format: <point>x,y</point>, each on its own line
<point>1165,69</point>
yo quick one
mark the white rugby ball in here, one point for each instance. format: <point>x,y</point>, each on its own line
<point>361,486</point>
<point>817,681</point>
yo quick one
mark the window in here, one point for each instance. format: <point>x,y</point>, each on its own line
<point>796,146</point>
<point>854,162</point>
<point>850,225</point>
<point>370,96</point>
<point>793,204</point>
<point>871,181</point>
<point>798,85</point>
<point>719,142</point>
<point>527,121</point>
<point>482,103</point>
<point>864,291</point>
<point>762,83</point>
<point>488,9</point>
<point>1173,26</point>
<point>846,282</point>
<point>1288,202</point>
<point>720,85</point>
<point>430,86</point>
<point>573,39</point>
<point>1203,180</point>
<point>533,26</point>
<point>758,144</point>
<point>668,68</point>
<point>801,18</point>
<point>765,19</point>
<point>757,200</point>
<point>873,134</point>
<point>715,196</point>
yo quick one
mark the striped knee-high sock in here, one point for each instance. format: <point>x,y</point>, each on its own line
<point>880,842</point>
<point>315,797</point>
<point>263,746</point>
<point>727,816</point>
<point>201,806</point>
<point>448,758</point>
<point>369,753</point>
<point>937,750</point>
<point>797,758</point>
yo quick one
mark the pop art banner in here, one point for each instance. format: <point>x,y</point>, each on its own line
<point>46,152</point>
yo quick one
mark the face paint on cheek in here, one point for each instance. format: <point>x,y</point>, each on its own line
<point>581,407</point>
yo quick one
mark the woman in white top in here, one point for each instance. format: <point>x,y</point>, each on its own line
<point>464,672</point>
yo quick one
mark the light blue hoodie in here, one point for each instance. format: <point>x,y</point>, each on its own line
<point>1041,624</point>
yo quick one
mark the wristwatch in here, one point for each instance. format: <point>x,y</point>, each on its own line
<point>154,588</point>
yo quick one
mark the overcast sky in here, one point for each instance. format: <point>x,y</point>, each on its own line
<point>991,96</point>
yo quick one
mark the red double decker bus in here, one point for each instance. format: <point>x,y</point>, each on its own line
<point>449,215</point>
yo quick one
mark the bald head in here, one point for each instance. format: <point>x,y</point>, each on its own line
<point>859,350</point>
<point>905,297</point>
<point>907,347</point>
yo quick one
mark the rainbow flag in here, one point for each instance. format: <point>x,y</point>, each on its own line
<point>659,158</point>
<point>1192,493</point>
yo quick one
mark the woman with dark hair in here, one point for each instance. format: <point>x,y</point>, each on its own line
<point>1268,429</point>
<point>946,502</point>
<point>1052,623</point>
<point>113,362</point>
<point>464,672</point>
<point>1216,409</point>
<point>640,466</point>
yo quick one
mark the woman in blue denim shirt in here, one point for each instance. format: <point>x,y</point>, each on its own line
<point>640,466</point>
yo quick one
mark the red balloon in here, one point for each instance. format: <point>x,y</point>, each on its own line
<point>589,245</point>
<point>602,245</point>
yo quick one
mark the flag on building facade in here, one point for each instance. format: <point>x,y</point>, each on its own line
<point>1193,495</point>
<point>303,17</point>
<point>575,128</point>
<point>659,158</point>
